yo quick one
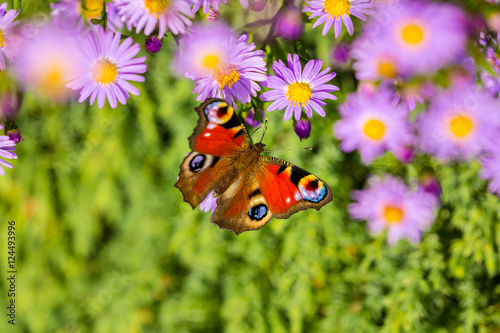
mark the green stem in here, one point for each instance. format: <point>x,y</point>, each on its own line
<point>17,4</point>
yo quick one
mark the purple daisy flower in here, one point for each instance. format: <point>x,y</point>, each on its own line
<point>107,67</point>
<point>374,60</point>
<point>210,203</point>
<point>459,123</point>
<point>388,204</point>
<point>47,60</point>
<point>295,89</point>
<point>373,125</point>
<point>7,39</point>
<point>490,163</point>
<point>147,14</point>
<point>334,12</point>
<point>422,35</point>
<point>7,148</point>
<point>206,5</point>
<point>221,64</point>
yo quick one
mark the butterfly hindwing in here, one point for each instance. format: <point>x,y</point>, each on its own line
<point>288,188</point>
<point>219,131</point>
<point>242,206</point>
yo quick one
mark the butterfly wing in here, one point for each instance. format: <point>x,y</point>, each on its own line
<point>288,189</point>
<point>242,206</point>
<point>218,138</point>
<point>273,188</point>
<point>219,131</point>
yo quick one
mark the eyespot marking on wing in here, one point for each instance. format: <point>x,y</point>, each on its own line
<point>197,163</point>
<point>218,112</point>
<point>312,189</point>
<point>257,212</point>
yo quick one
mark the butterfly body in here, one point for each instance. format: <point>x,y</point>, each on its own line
<point>250,188</point>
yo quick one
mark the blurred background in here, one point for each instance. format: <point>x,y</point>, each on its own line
<point>105,243</point>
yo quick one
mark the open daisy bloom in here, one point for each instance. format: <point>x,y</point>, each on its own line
<point>45,62</point>
<point>107,67</point>
<point>373,125</point>
<point>375,60</point>
<point>334,12</point>
<point>459,123</point>
<point>295,89</point>
<point>147,14</point>
<point>221,64</point>
<point>388,204</point>
<point>423,36</point>
<point>7,40</point>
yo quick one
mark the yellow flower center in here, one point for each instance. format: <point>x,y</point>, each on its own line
<point>156,7</point>
<point>92,9</point>
<point>336,7</point>
<point>51,80</point>
<point>211,61</point>
<point>412,34</point>
<point>226,76</point>
<point>374,129</point>
<point>299,92</point>
<point>104,72</point>
<point>387,69</point>
<point>393,214</point>
<point>461,126</point>
<point>2,39</point>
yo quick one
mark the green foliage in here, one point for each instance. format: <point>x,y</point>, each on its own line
<point>106,244</point>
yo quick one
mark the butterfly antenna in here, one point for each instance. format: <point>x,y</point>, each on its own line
<point>306,148</point>
<point>265,130</point>
<point>258,128</point>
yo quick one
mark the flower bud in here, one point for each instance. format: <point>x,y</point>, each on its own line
<point>289,24</point>
<point>303,128</point>
<point>429,183</point>
<point>9,105</point>
<point>340,54</point>
<point>13,132</point>
<point>153,44</point>
<point>257,5</point>
<point>212,15</point>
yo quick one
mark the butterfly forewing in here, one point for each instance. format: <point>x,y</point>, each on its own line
<point>288,188</point>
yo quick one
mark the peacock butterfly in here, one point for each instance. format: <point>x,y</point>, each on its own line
<point>250,188</point>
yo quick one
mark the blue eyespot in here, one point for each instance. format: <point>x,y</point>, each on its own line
<point>197,163</point>
<point>258,212</point>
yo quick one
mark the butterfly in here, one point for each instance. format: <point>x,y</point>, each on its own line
<point>250,188</point>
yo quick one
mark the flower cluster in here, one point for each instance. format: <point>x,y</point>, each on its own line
<point>412,83</point>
